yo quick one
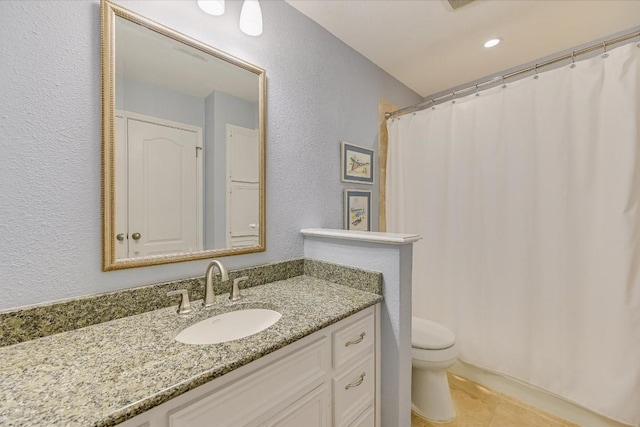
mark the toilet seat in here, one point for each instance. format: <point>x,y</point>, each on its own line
<point>428,335</point>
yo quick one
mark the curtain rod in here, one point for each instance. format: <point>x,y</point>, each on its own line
<point>501,78</point>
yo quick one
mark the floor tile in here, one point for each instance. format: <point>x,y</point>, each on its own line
<point>477,406</point>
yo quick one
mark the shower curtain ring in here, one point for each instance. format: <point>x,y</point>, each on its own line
<point>536,70</point>
<point>433,103</point>
<point>477,91</point>
<point>454,97</point>
<point>504,86</point>
<point>573,60</point>
<point>604,48</point>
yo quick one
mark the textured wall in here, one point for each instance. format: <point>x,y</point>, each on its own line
<point>319,92</point>
<point>395,263</point>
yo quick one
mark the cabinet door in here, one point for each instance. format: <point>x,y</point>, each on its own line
<point>312,410</point>
<point>275,386</point>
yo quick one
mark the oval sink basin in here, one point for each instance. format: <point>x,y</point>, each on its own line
<point>229,326</point>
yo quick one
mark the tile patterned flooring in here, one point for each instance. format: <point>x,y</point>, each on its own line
<point>477,406</point>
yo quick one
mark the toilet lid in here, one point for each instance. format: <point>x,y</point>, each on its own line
<point>430,335</point>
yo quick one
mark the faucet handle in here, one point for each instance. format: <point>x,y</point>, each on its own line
<point>235,290</point>
<point>185,306</point>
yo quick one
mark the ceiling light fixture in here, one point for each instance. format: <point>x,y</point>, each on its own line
<point>212,7</point>
<point>251,18</point>
<point>493,42</point>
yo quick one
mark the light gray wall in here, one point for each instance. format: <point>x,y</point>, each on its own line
<point>319,92</point>
<point>395,262</point>
<point>210,174</point>
<point>157,101</point>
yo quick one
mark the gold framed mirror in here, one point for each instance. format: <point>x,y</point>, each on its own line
<point>183,146</point>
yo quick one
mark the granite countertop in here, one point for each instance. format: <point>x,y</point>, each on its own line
<point>104,374</point>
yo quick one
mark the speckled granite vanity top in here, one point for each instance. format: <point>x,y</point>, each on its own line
<point>103,374</point>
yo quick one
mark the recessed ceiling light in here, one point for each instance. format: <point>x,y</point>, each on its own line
<point>492,42</point>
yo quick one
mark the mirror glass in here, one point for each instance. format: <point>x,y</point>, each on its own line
<point>183,146</point>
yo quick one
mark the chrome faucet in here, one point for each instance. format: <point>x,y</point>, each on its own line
<point>209,296</point>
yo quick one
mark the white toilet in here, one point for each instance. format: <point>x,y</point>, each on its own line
<point>434,349</point>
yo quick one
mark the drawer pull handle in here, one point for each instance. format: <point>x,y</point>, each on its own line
<point>358,341</point>
<point>357,383</point>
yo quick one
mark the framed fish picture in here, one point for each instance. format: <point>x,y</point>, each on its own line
<point>357,164</point>
<point>357,210</point>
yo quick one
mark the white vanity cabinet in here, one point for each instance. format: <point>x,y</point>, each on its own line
<point>329,378</point>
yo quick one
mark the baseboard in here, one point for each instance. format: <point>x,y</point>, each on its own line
<point>533,396</point>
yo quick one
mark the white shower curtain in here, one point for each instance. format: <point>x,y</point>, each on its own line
<point>528,198</point>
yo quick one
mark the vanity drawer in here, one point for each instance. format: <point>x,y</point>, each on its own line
<point>353,340</point>
<point>353,392</point>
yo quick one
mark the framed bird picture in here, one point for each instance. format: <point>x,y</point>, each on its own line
<point>357,210</point>
<point>357,164</point>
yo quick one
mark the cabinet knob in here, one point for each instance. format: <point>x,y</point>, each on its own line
<point>120,237</point>
<point>136,236</point>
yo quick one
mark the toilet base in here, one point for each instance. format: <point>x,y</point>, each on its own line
<point>431,396</point>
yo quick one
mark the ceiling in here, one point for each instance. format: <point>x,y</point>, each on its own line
<point>430,47</point>
<point>147,56</point>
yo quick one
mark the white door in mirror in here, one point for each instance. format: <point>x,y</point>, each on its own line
<point>163,205</point>
<point>158,186</point>
<point>229,326</point>
<point>243,200</point>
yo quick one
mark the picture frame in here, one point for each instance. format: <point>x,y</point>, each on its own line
<point>357,210</point>
<point>357,164</point>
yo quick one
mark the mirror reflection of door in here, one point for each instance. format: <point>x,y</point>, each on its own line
<point>160,199</point>
<point>243,152</point>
